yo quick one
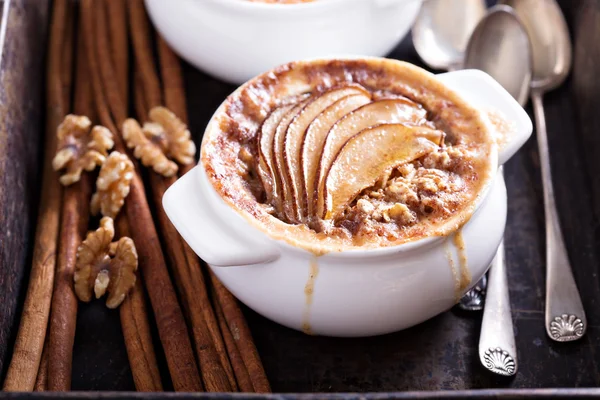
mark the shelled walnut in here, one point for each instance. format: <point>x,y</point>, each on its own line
<point>148,147</point>
<point>79,147</point>
<point>178,138</point>
<point>112,185</point>
<point>103,266</point>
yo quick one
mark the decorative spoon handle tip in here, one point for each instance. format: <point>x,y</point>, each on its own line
<point>497,348</point>
<point>565,316</point>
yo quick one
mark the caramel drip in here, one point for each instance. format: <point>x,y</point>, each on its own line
<point>465,274</point>
<point>452,265</point>
<point>309,290</point>
<point>462,274</point>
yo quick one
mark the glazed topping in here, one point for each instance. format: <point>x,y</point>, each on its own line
<point>351,153</point>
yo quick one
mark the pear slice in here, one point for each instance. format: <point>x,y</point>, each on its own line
<point>266,166</point>
<point>312,147</point>
<point>284,203</point>
<point>389,111</point>
<point>367,156</point>
<point>294,137</point>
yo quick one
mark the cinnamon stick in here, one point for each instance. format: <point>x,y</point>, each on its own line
<point>63,317</point>
<point>214,374</point>
<point>23,368</point>
<point>84,99</point>
<point>172,79</point>
<point>202,302</point>
<point>139,102</point>
<point>41,382</point>
<point>140,350</point>
<point>241,373</point>
<point>241,334</point>
<point>140,28</point>
<point>117,20</point>
<point>136,332</point>
<point>169,318</point>
<point>74,222</point>
<point>68,55</point>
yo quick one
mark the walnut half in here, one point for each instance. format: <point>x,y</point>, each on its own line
<point>112,185</point>
<point>148,147</point>
<point>79,148</point>
<point>103,266</point>
<point>180,146</point>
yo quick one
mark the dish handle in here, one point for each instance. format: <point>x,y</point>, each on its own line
<point>484,93</point>
<point>213,230</point>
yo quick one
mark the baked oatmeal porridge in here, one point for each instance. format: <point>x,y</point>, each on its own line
<point>349,154</point>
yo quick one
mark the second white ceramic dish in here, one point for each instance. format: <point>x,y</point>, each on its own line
<point>235,40</point>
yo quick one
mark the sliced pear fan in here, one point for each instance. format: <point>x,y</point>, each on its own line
<point>266,166</point>
<point>294,137</point>
<point>378,112</point>
<point>314,140</point>
<point>367,156</point>
<point>284,202</point>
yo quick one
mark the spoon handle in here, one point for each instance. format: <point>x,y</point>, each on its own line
<point>497,349</point>
<point>565,317</point>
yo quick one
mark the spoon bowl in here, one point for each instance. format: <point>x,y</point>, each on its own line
<point>550,42</point>
<point>442,30</point>
<point>500,46</point>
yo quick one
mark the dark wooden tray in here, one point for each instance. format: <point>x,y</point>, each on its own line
<point>438,355</point>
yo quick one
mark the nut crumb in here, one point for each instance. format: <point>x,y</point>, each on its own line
<point>79,148</point>
<point>365,206</point>
<point>147,148</point>
<point>401,213</point>
<point>97,271</point>
<point>112,185</point>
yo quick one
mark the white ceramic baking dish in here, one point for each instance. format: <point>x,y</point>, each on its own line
<point>357,292</point>
<point>235,40</point>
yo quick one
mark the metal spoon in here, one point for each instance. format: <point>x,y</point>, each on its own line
<point>440,35</point>
<point>442,30</point>
<point>549,35</point>
<point>500,47</point>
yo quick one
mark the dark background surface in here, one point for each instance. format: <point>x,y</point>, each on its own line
<point>439,354</point>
